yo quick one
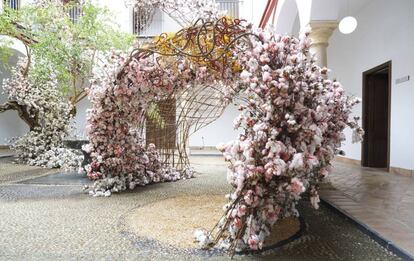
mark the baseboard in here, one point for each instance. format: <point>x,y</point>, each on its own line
<point>393,170</point>
<point>402,171</point>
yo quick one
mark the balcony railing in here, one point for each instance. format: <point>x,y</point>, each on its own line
<point>231,6</point>
<point>74,13</point>
<point>146,24</point>
<point>13,4</point>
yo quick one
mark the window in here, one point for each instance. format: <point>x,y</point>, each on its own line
<point>13,4</point>
<point>231,6</point>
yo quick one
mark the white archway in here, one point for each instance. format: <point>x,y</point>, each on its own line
<point>285,16</point>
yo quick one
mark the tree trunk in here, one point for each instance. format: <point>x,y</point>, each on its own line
<point>32,122</point>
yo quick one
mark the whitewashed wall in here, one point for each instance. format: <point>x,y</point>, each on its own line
<point>384,32</point>
<point>217,132</point>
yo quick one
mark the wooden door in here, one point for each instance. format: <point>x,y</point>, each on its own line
<point>376,118</point>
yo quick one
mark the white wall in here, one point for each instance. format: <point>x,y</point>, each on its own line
<point>218,131</point>
<point>252,10</point>
<point>384,33</point>
<point>122,14</point>
<point>286,16</point>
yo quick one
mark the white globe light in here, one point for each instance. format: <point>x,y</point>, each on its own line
<point>347,25</point>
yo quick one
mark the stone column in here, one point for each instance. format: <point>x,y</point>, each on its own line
<point>321,31</point>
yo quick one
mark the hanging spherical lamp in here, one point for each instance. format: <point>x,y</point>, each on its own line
<point>347,25</point>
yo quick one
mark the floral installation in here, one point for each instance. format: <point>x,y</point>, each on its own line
<point>292,116</point>
<point>122,90</point>
<point>43,144</point>
<point>293,124</point>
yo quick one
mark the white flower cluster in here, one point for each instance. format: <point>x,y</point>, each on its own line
<point>43,144</point>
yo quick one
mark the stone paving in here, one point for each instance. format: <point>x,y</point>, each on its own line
<point>381,200</point>
<point>47,217</point>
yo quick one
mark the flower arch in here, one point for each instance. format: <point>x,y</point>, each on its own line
<point>291,114</point>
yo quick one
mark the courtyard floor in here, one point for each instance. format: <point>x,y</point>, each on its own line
<point>45,215</point>
<point>380,200</point>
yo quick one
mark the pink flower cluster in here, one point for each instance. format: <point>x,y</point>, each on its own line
<point>293,122</point>
<point>119,154</point>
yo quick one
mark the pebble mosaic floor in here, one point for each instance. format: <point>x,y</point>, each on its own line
<point>46,216</point>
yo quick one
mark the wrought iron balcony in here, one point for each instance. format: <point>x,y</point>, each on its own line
<point>147,24</point>
<point>231,6</point>
<point>74,13</point>
<point>13,4</point>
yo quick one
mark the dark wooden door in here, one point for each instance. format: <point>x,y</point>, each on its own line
<point>376,119</point>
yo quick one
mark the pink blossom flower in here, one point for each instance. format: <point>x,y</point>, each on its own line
<point>297,186</point>
<point>254,242</point>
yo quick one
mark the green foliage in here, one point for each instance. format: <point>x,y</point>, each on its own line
<point>7,28</point>
<point>153,113</point>
<point>5,53</point>
<point>7,19</point>
<point>64,48</point>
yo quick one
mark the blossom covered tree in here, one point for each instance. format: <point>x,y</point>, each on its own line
<point>42,145</point>
<point>60,54</point>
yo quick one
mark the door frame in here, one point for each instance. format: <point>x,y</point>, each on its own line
<point>365,75</point>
